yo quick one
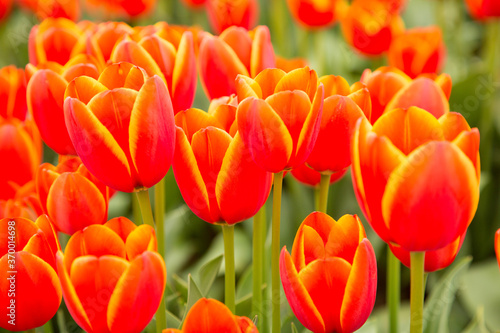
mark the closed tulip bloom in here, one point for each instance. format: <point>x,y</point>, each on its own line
<point>418,51</point>
<point>417,177</point>
<point>497,245</point>
<point>223,14</point>
<point>483,9</point>
<point>108,34</point>
<point>21,151</point>
<point>209,315</point>
<point>216,175</point>
<point>12,93</point>
<point>235,51</point>
<point>27,265</point>
<point>316,14</point>
<point>434,260</point>
<point>5,8</point>
<point>330,278</point>
<point>53,8</point>
<point>122,126</point>
<point>370,26</point>
<point>174,62</point>
<point>288,65</point>
<point>24,204</point>
<point>112,277</point>
<point>122,8</point>
<point>279,116</point>
<point>308,176</point>
<point>71,196</point>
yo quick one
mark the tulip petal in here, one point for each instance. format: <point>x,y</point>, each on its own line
<point>39,246</point>
<point>262,56</point>
<point>121,226</point>
<point>137,294</point>
<point>239,40</point>
<point>247,87</point>
<point>193,120</point>
<point>412,205</point>
<point>141,239</point>
<point>24,230</point>
<point>335,85</point>
<point>130,51</point>
<point>298,296</point>
<point>185,74</point>
<point>468,142</point>
<point>265,134</point>
<point>241,178</point>
<point>304,79</point>
<point>210,315</point>
<point>361,289</point>
<point>152,132</point>
<point>268,79</point>
<point>453,123</point>
<point>37,291</point>
<point>344,238</point>
<point>246,325</point>
<point>84,88</point>
<point>43,222</point>
<point>123,75</point>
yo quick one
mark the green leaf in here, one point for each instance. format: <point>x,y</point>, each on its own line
<point>194,293</point>
<point>172,320</point>
<point>181,286</point>
<point>244,305</point>
<point>294,328</point>
<point>207,274</point>
<point>244,285</point>
<point>438,307</point>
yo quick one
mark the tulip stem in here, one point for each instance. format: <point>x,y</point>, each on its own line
<point>136,209</point>
<point>393,290</point>
<point>324,186</point>
<point>229,275</point>
<point>159,215</point>
<point>33,330</point>
<point>319,51</point>
<point>278,26</point>
<point>275,250</point>
<point>417,261</point>
<point>145,204</point>
<point>259,223</point>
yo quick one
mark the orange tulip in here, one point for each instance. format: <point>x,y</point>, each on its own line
<point>215,173</point>
<point>417,177</point>
<point>108,34</point>
<point>71,196</point>
<point>45,95</point>
<point>194,4</point>
<point>223,14</point>
<point>30,289</point>
<point>483,9</point>
<point>279,116</point>
<point>122,126</point>
<point>370,26</point>
<point>395,6</point>
<point>288,65</point>
<point>24,204</point>
<point>497,245</point>
<point>5,8</point>
<point>122,8</point>
<point>235,51</point>
<point>418,51</point>
<point>174,62</point>
<point>330,279</point>
<point>12,93</point>
<point>112,277</point>
<point>21,151</point>
<point>311,177</point>
<point>316,14</point>
<point>209,315</point>
<point>53,8</point>
<point>434,260</point>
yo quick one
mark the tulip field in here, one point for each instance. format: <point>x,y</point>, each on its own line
<point>201,166</point>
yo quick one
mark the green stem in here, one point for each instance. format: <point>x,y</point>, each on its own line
<point>324,186</point>
<point>145,205</point>
<point>316,198</point>
<point>159,215</point>
<point>136,210</point>
<point>229,278</point>
<point>47,328</point>
<point>259,222</point>
<point>33,330</point>
<point>417,261</point>
<point>275,252</point>
<point>278,26</point>
<point>319,51</point>
<point>393,290</point>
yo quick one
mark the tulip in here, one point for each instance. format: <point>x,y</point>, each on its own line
<point>209,315</point>
<point>483,9</point>
<point>418,51</point>
<point>53,8</point>
<point>194,4</point>
<point>27,268</point>
<point>24,204</point>
<point>223,14</point>
<point>71,196</point>
<point>174,63</point>
<point>122,126</point>
<point>311,177</point>
<point>316,14</point>
<point>330,279</point>
<point>5,8</point>
<point>12,93</point>
<point>108,34</point>
<point>21,151</point>
<point>288,65</point>
<point>235,51</point>
<point>497,245</point>
<point>394,6</point>
<point>370,26</point>
<point>392,165</point>
<point>112,277</point>
<point>122,8</point>
<point>45,95</point>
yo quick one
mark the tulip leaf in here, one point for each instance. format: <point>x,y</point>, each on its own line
<point>294,328</point>
<point>194,293</point>
<point>180,286</point>
<point>244,305</point>
<point>477,324</point>
<point>207,274</point>
<point>244,285</point>
<point>438,307</point>
<point>172,320</point>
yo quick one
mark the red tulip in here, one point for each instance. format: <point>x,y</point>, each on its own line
<point>215,173</point>
<point>112,277</point>
<point>30,289</point>
<point>418,51</point>
<point>122,126</point>
<point>370,26</point>
<point>497,245</point>
<point>279,116</point>
<point>12,93</point>
<point>122,8</point>
<point>24,204</point>
<point>223,14</point>
<point>21,151</point>
<point>417,177</point>
<point>483,9</point>
<point>316,14</point>
<point>330,279</point>
<point>235,51</point>
<point>5,8</point>
<point>53,8</point>
<point>311,177</point>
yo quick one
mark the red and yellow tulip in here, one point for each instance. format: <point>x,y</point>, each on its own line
<point>223,14</point>
<point>483,9</point>
<point>24,204</point>
<point>316,14</point>
<point>330,279</point>
<point>122,8</point>
<point>12,93</point>
<point>53,8</point>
